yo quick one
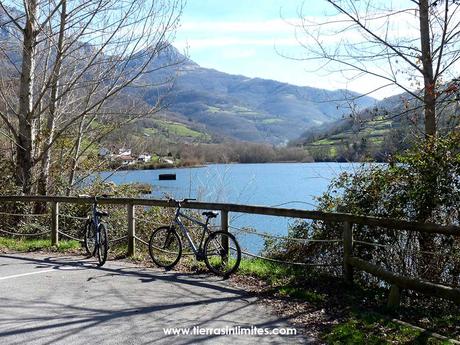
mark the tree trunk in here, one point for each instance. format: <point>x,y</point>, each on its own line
<point>428,269</point>
<point>26,121</point>
<point>73,168</point>
<point>429,97</point>
<point>43,182</point>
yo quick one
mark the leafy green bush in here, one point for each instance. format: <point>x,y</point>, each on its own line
<point>421,185</point>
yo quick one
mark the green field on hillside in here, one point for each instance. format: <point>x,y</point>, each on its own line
<point>365,141</point>
<point>176,129</point>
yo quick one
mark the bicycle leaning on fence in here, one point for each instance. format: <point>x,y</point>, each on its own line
<point>95,236</point>
<point>218,249</point>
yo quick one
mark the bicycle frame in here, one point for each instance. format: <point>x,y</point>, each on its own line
<point>166,242</point>
<point>95,220</point>
<point>180,224</point>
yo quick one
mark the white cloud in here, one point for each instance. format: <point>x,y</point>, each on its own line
<point>265,27</point>
<point>289,32</point>
<point>245,39</point>
<point>238,53</point>
<point>235,41</point>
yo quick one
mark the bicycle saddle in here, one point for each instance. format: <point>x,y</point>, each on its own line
<point>102,213</point>
<point>210,214</point>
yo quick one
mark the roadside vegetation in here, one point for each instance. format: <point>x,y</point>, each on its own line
<point>418,185</point>
<point>337,314</point>
<point>345,314</point>
<point>8,244</point>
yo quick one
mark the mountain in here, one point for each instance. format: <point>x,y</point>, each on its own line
<point>243,108</point>
<point>217,104</point>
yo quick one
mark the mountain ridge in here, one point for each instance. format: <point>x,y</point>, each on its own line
<point>227,105</point>
<point>249,109</point>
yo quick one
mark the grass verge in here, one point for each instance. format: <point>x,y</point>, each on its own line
<point>375,329</point>
<point>30,245</point>
<point>343,314</point>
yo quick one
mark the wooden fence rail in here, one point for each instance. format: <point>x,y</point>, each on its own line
<point>349,261</point>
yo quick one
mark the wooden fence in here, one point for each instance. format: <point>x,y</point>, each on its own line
<point>350,262</point>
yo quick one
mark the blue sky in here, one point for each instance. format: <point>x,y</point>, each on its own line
<point>249,37</point>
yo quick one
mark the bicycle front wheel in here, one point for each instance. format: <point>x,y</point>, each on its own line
<point>90,238</point>
<point>222,253</point>
<point>165,247</point>
<point>102,245</point>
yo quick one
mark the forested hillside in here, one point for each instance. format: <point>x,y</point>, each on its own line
<point>242,108</point>
<point>390,126</point>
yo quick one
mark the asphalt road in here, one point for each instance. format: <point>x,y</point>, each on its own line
<point>69,300</point>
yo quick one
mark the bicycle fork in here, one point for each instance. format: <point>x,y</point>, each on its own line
<point>98,237</point>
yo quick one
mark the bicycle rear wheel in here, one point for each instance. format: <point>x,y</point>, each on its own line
<point>165,247</point>
<point>90,238</point>
<point>222,253</point>
<point>103,245</point>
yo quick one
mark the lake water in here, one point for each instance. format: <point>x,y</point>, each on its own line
<point>289,185</point>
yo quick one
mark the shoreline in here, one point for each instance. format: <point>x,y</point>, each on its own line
<point>171,167</point>
<point>162,166</point>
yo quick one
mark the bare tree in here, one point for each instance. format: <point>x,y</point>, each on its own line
<point>68,62</point>
<point>413,46</point>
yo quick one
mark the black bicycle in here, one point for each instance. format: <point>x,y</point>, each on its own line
<point>218,249</point>
<point>95,235</point>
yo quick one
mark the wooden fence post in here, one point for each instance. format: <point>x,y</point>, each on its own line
<point>347,251</point>
<point>131,230</point>
<point>224,227</point>
<point>394,297</point>
<point>54,223</point>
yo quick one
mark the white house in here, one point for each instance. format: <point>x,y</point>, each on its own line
<point>124,152</point>
<point>144,158</point>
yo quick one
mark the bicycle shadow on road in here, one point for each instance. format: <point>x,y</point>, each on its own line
<point>145,275</point>
<point>30,316</point>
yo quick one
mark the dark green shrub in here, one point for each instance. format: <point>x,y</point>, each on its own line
<point>421,185</point>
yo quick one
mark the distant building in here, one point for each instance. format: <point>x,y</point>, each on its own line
<point>126,160</point>
<point>144,158</point>
<point>124,152</point>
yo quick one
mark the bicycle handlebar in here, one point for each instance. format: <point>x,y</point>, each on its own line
<point>94,196</point>
<point>178,202</point>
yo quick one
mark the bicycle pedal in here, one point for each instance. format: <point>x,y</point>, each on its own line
<point>200,256</point>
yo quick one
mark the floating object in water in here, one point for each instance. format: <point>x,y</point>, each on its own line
<point>162,177</point>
